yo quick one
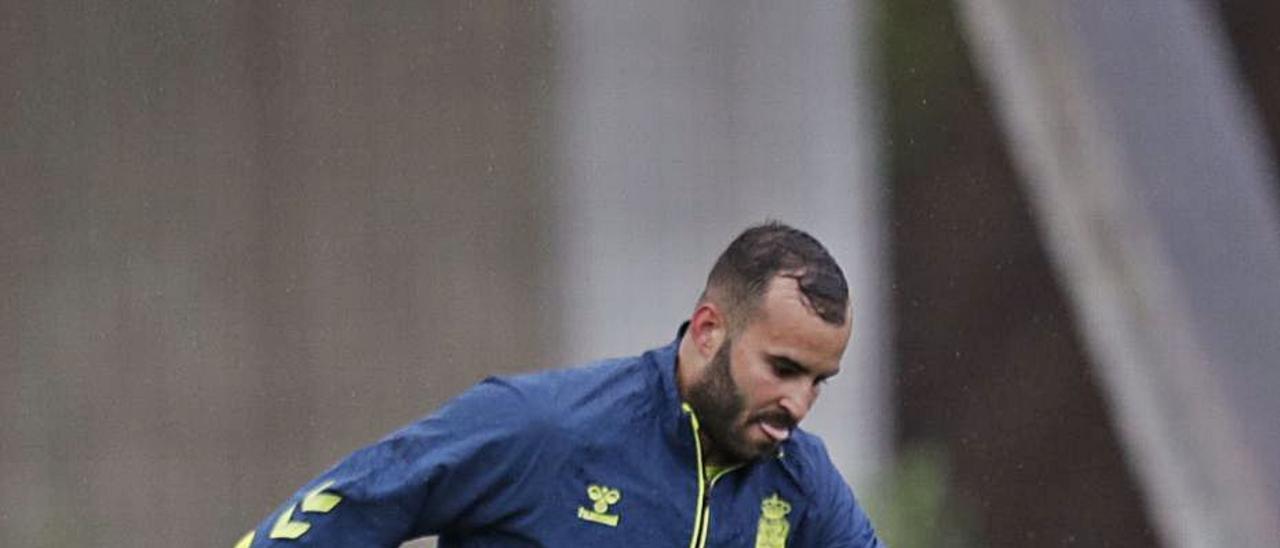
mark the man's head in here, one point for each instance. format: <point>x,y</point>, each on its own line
<point>770,327</point>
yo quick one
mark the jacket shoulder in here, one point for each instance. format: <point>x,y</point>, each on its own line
<point>840,520</point>
<point>808,462</point>
<point>612,390</point>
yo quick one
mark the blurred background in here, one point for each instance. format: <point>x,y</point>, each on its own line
<point>241,239</point>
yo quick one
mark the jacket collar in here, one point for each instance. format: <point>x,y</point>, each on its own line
<point>676,426</point>
<point>675,423</point>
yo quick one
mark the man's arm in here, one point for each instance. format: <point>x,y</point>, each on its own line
<point>847,526</point>
<point>456,469</point>
<point>843,523</point>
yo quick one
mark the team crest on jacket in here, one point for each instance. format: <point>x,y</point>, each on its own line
<point>602,497</point>
<point>772,530</point>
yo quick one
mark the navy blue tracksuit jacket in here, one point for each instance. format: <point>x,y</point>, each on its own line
<point>601,455</point>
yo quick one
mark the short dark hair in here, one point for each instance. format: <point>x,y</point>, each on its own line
<point>742,273</point>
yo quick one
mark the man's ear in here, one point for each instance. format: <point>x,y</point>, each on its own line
<point>709,327</point>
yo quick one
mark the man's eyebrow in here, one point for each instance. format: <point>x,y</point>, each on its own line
<point>792,364</point>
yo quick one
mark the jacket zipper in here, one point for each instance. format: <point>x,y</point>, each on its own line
<point>702,515</point>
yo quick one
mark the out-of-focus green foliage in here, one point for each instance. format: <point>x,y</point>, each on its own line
<point>913,506</point>
<point>926,80</point>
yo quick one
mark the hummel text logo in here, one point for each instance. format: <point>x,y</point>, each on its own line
<point>602,498</point>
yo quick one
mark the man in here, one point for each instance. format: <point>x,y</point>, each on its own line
<point>692,444</point>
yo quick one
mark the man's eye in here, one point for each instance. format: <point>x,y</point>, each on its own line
<point>785,369</point>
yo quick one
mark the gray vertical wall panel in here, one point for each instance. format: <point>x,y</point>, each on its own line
<point>685,122</point>
<point>240,240</point>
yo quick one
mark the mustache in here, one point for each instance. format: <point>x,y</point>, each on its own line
<point>777,417</point>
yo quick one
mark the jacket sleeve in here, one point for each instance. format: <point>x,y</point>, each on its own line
<point>847,526</point>
<point>464,467</point>
<point>844,524</point>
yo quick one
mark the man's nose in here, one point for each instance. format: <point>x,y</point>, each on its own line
<point>798,400</point>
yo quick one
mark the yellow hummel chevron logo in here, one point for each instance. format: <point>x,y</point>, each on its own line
<point>602,498</point>
<point>319,501</point>
<point>246,540</point>
<point>286,528</point>
<point>315,501</point>
<point>771,531</point>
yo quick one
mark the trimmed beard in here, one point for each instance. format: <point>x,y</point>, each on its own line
<point>719,405</point>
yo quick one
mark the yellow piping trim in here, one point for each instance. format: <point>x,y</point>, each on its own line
<point>706,518</point>
<point>702,516</point>
<point>706,526</point>
<point>699,536</point>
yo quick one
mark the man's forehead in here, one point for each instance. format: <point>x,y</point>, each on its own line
<point>790,328</point>
<point>783,294</point>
